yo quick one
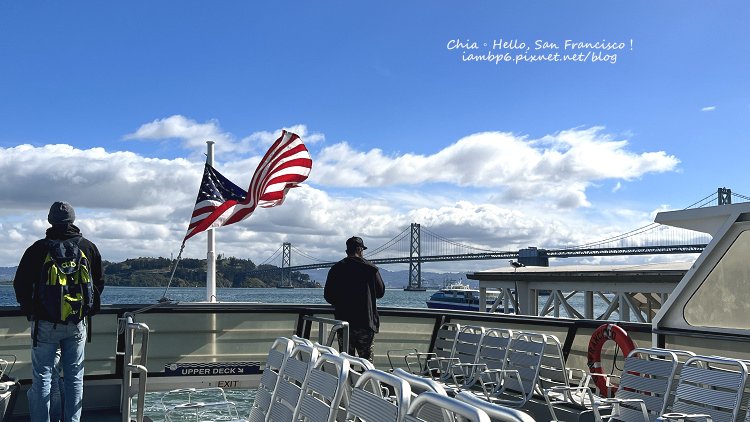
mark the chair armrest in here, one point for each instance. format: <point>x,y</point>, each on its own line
<point>400,351</point>
<point>614,404</point>
<point>496,378</point>
<point>584,392</point>
<point>584,377</point>
<point>684,417</point>
<point>466,372</point>
<point>443,364</point>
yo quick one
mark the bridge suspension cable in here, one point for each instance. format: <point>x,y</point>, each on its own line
<point>453,242</point>
<point>389,243</point>
<point>272,257</point>
<point>312,258</point>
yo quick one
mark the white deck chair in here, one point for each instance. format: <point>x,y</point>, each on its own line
<point>323,389</point>
<point>646,385</point>
<point>369,403</point>
<point>422,410</point>
<point>496,412</point>
<point>516,383</point>
<point>465,351</point>
<point>357,367</point>
<point>710,388</point>
<point>492,355</point>
<point>419,385</point>
<point>280,350</point>
<point>416,361</point>
<point>292,376</point>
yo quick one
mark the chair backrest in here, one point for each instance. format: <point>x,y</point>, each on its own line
<point>521,373</point>
<point>421,385</point>
<point>323,389</point>
<point>647,375</point>
<point>552,369</point>
<point>292,376</point>
<point>496,412</point>
<point>711,385</point>
<point>279,352</point>
<point>493,351</point>
<point>467,345</point>
<point>325,349</point>
<point>422,410</point>
<point>357,367</point>
<point>369,403</point>
<point>446,340</point>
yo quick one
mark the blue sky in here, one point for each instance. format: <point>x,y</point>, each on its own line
<point>400,126</point>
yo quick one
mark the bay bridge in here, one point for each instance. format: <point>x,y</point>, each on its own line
<point>417,244</point>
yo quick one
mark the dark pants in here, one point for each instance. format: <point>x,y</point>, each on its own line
<point>361,342</point>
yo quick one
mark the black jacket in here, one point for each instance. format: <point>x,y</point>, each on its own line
<point>352,287</point>
<point>30,269</point>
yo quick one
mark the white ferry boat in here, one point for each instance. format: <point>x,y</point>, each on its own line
<point>169,346</point>
<point>460,297</point>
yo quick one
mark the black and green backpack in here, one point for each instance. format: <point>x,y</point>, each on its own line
<point>66,290</point>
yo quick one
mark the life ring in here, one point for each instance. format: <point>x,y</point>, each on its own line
<point>598,338</point>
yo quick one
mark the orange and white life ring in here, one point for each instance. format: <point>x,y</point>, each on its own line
<point>598,338</point>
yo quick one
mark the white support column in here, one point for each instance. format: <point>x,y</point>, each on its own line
<point>588,304</point>
<point>210,251</point>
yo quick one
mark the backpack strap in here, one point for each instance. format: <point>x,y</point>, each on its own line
<point>34,331</point>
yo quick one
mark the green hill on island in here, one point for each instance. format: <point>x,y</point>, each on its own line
<point>230,272</point>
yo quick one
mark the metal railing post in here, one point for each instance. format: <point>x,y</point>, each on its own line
<point>129,366</point>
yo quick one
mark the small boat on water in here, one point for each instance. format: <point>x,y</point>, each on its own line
<point>461,297</point>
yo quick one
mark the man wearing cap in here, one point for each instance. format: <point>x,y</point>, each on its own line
<point>69,338</point>
<point>352,287</point>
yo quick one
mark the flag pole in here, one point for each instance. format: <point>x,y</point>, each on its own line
<point>210,251</point>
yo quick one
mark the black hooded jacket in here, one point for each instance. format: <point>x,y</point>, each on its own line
<point>352,287</point>
<point>30,269</point>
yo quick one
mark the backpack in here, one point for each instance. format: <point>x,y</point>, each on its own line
<point>66,290</point>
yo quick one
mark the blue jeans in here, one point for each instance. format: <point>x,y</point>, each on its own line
<point>70,339</point>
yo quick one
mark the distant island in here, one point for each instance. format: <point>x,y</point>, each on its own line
<point>234,272</point>
<point>155,272</point>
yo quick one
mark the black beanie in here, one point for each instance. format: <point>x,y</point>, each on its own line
<point>61,213</point>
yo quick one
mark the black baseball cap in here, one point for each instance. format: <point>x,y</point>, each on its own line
<point>355,242</point>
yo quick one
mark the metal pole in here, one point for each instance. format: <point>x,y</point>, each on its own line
<point>210,251</point>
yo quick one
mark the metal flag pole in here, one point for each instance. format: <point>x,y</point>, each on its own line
<point>210,251</point>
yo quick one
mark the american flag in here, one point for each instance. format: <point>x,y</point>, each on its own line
<point>220,202</point>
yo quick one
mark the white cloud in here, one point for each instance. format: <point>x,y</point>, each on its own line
<point>490,190</point>
<point>709,108</point>
<point>193,135</point>
<point>559,167</point>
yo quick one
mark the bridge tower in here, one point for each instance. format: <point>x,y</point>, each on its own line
<point>415,261</point>
<point>725,196</point>
<point>286,262</point>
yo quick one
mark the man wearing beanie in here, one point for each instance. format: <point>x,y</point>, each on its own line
<point>48,334</point>
<point>352,287</point>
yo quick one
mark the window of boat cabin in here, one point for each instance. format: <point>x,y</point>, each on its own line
<point>723,299</point>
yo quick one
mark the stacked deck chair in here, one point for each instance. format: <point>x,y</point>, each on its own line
<point>492,355</point>
<point>710,388</point>
<point>379,397</point>
<point>277,355</point>
<point>291,378</point>
<point>515,384</point>
<point>465,351</point>
<point>416,361</point>
<point>323,390</point>
<point>422,409</point>
<point>646,387</point>
<point>496,412</point>
<point>419,385</point>
<point>357,367</point>
<point>565,390</point>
